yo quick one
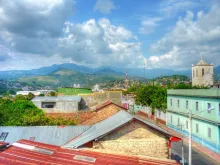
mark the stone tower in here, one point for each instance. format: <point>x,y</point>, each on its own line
<point>202,74</point>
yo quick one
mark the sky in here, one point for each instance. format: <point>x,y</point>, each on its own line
<point>171,34</point>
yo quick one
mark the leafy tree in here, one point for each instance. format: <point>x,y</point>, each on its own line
<point>30,96</point>
<point>20,97</point>
<point>52,93</point>
<point>22,112</point>
<point>41,94</point>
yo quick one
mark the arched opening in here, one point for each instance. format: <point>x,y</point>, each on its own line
<point>203,72</point>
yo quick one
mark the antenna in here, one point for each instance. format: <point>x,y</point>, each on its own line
<point>126,79</point>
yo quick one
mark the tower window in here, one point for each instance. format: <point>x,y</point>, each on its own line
<point>203,72</point>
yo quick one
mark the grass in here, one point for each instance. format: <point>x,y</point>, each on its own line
<point>74,91</point>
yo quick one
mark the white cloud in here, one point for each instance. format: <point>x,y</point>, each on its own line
<point>191,37</point>
<point>104,6</point>
<point>148,25</point>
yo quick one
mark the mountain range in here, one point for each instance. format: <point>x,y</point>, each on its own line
<point>104,70</point>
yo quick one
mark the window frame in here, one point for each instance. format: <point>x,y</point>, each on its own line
<point>197,106</point>
<point>209,132</point>
<point>187,104</point>
<point>3,136</point>
<point>178,103</point>
<point>209,106</point>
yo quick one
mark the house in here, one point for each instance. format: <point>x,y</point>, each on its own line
<point>124,133</point>
<point>59,104</point>
<point>55,135</point>
<point>103,111</point>
<point>204,105</point>
<point>26,152</point>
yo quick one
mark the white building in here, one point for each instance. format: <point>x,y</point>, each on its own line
<point>202,74</point>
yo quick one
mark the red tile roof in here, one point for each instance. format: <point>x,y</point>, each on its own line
<point>106,103</point>
<point>20,154</point>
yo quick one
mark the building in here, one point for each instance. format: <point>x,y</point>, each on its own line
<point>26,152</point>
<point>202,74</point>
<point>36,93</point>
<point>123,133</point>
<point>205,122</point>
<point>103,111</point>
<point>59,104</point>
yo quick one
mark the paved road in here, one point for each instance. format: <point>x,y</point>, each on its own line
<point>197,157</point>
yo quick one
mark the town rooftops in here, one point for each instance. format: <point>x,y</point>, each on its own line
<point>208,93</point>
<point>26,152</point>
<point>57,98</point>
<point>106,103</point>
<point>56,135</point>
<point>104,127</point>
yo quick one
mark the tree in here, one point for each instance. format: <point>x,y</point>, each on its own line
<point>30,96</point>
<point>52,93</point>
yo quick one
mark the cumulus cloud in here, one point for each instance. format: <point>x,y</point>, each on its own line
<point>99,43</point>
<point>104,6</point>
<point>33,32</point>
<point>193,36</point>
<point>148,25</point>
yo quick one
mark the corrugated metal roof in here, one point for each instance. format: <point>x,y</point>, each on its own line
<point>46,134</point>
<point>99,129</point>
<point>57,98</point>
<point>28,152</point>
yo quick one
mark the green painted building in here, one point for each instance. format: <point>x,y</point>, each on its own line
<point>205,123</point>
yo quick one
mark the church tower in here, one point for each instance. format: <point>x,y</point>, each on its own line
<point>202,74</point>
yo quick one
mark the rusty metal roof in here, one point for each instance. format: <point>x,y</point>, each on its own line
<point>26,152</point>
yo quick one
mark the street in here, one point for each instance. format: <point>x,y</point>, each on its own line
<point>197,157</point>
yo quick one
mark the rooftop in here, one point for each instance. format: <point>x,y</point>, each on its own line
<point>102,128</point>
<point>57,98</point>
<point>26,152</point>
<point>57,135</point>
<point>208,93</point>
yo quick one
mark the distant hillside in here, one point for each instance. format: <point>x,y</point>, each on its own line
<point>104,70</point>
<point>66,77</point>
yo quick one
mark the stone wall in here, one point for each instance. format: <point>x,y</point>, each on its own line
<point>134,138</point>
<point>100,97</point>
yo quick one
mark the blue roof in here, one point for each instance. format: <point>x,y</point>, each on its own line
<point>58,98</point>
<point>100,129</point>
<point>54,135</point>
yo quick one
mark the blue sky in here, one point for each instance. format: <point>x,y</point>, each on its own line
<point>124,33</point>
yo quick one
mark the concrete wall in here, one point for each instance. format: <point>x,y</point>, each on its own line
<point>100,97</point>
<point>134,138</point>
<point>60,107</point>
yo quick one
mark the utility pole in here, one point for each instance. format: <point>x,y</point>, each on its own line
<point>190,137</point>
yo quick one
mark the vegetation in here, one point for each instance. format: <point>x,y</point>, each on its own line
<point>153,96</point>
<point>186,86</point>
<point>74,91</point>
<point>22,112</point>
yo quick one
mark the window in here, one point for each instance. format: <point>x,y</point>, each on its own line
<point>178,103</point>
<point>32,138</point>
<point>209,132</point>
<point>203,72</point>
<point>187,104</point>
<point>3,136</point>
<point>48,104</point>
<point>219,108</point>
<point>187,124</point>
<point>209,106</point>
<point>171,102</point>
<point>197,106</point>
<point>197,128</point>
<point>178,121</point>
<point>171,119</point>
